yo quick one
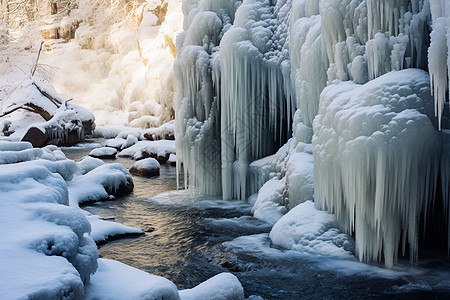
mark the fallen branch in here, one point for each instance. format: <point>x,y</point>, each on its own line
<point>48,96</point>
<point>32,108</point>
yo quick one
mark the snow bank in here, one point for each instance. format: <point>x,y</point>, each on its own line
<point>371,170</point>
<point>307,229</point>
<point>32,103</point>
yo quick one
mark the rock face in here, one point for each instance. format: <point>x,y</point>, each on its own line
<point>146,167</point>
<point>35,136</point>
<point>104,153</point>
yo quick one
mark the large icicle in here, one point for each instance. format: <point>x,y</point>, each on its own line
<point>438,54</point>
<point>256,103</point>
<point>197,71</point>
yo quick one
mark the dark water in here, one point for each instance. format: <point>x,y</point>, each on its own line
<point>189,241</point>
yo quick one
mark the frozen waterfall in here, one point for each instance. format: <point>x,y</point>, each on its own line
<point>244,68</point>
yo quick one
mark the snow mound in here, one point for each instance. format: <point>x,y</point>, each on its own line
<point>371,169</point>
<point>307,229</point>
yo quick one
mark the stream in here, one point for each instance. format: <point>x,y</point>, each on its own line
<point>189,239</point>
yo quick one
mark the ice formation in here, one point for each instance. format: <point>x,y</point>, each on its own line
<point>308,229</point>
<point>244,68</point>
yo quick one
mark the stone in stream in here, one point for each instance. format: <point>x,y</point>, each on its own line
<point>146,167</point>
<point>104,153</point>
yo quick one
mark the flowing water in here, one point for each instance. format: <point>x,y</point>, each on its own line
<point>189,239</point>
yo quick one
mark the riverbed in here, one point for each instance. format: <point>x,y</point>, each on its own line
<point>189,239</point>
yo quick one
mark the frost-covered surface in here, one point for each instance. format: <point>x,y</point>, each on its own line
<point>370,167</point>
<point>270,205</point>
<point>100,183</point>
<point>114,280</point>
<point>307,229</point>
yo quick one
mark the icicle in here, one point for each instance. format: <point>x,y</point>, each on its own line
<point>438,53</point>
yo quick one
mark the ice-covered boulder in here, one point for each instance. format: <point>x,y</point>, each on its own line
<point>146,167</point>
<point>376,160</point>
<point>308,229</point>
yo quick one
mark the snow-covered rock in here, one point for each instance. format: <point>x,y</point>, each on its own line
<point>271,202</point>
<point>371,169</point>
<point>146,167</point>
<point>104,152</point>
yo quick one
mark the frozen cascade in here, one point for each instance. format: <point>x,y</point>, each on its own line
<point>256,105</point>
<point>197,92</point>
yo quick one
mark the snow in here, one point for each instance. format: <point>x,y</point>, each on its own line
<point>115,280</point>
<point>370,169</point>
<point>44,242</point>
<point>271,202</point>
<point>146,167</point>
<point>100,183</point>
<point>160,150</point>
<point>307,229</point>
